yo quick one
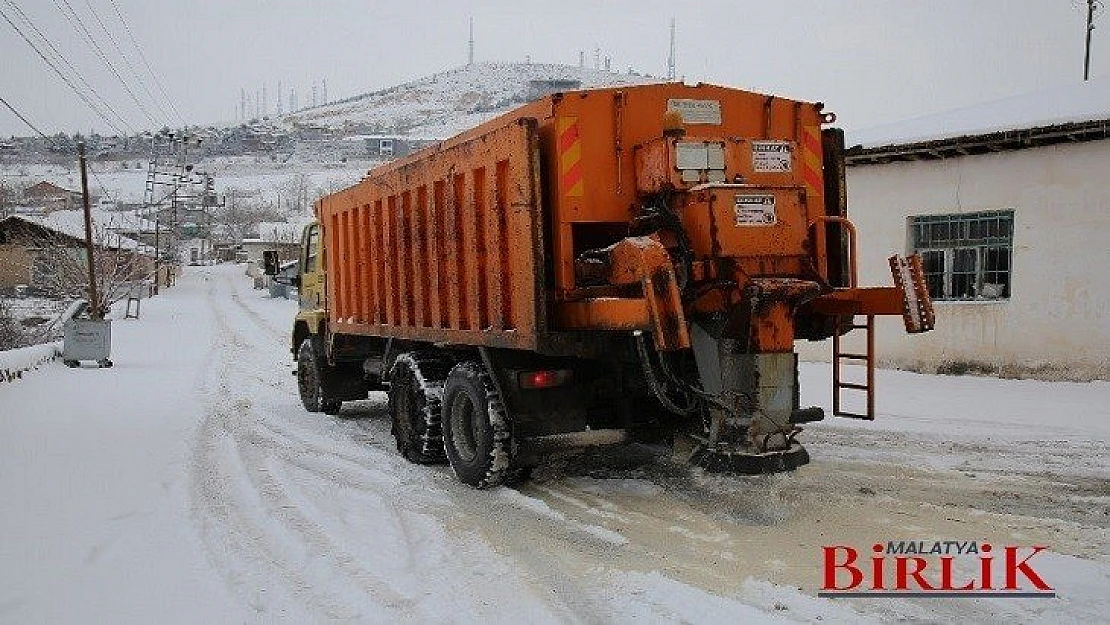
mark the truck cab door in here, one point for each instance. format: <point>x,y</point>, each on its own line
<point>311,291</point>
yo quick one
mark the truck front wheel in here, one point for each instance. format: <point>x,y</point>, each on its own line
<point>477,434</point>
<point>311,369</point>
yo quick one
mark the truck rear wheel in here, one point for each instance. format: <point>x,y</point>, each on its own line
<point>415,384</point>
<point>311,369</point>
<point>477,434</point>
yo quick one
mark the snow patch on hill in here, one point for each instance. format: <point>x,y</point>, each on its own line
<point>444,104</point>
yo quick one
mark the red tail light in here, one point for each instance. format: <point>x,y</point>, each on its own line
<point>543,379</point>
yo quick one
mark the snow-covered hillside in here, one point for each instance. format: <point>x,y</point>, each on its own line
<point>443,104</point>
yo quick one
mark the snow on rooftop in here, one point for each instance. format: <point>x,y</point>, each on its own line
<point>1083,102</point>
<point>72,223</point>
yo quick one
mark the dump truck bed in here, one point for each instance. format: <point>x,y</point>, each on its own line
<point>473,241</point>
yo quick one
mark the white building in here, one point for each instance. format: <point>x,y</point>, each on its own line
<point>1009,205</point>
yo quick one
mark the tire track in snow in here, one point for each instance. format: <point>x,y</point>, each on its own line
<point>273,491</point>
<point>246,514</point>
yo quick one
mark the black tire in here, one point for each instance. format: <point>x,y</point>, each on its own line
<point>415,385</point>
<point>477,434</point>
<point>311,370</point>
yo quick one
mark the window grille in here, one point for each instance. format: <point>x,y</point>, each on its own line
<point>966,256</point>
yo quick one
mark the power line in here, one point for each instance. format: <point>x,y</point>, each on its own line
<point>131,68</point>
<point>66,80</point>
<point>59,56</point>
<point>81,28</point>
<point>25,120</point>
<point>142,56</point>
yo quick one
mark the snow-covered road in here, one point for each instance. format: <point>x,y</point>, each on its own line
<point>187,484</point>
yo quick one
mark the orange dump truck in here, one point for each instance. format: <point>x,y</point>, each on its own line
<point>594,267</point>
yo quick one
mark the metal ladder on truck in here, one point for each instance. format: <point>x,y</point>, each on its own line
<point>867,358</point>
<point>917,314</point>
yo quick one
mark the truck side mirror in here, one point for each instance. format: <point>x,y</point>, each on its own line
<point>270,262</point>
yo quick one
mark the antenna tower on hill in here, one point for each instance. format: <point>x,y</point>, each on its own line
<point>670,59</point>
<point>470,56</point>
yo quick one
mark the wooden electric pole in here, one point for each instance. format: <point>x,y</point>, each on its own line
<point>94,300</point>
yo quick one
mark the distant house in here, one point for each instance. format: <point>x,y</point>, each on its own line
<point>282,237</point>
<point>391,146</point>
<point>52,197</point>
<point>30,247</point>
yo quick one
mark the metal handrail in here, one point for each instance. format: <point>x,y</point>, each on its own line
<point>821,251</point>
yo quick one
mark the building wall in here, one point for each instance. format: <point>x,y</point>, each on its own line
<point>15,265</point>
<point>1056,323</point>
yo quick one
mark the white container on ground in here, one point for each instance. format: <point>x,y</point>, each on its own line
<point>87,339</point>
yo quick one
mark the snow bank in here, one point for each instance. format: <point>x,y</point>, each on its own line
<point>14,362</point>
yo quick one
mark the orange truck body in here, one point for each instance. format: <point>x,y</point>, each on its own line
<point>474,240</point>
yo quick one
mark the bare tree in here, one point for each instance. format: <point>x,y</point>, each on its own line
<point>11,334</point>
<point>295,192</point>
<point>10,194</point>
<point>243,211</point>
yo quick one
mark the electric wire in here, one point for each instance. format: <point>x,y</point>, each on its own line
<point>26,121</point>
<point>142,56</point>
<point>81,94</point>
<point>138,77</point>
<point>57,55</point>
<point>76,22</point>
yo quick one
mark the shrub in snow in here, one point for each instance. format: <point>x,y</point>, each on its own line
<point>14,362</point>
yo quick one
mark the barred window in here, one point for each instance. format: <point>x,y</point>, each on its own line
<point>966,256</point>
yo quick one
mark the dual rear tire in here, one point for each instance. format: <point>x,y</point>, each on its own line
<point>451,413</point>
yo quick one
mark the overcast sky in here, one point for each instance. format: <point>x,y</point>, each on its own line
<point>871,61</point>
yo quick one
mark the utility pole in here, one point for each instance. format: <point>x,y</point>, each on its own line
<point>470,50</point>
<point>94,300</point>
<point>1091,6</point>
<point>157,250</point>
